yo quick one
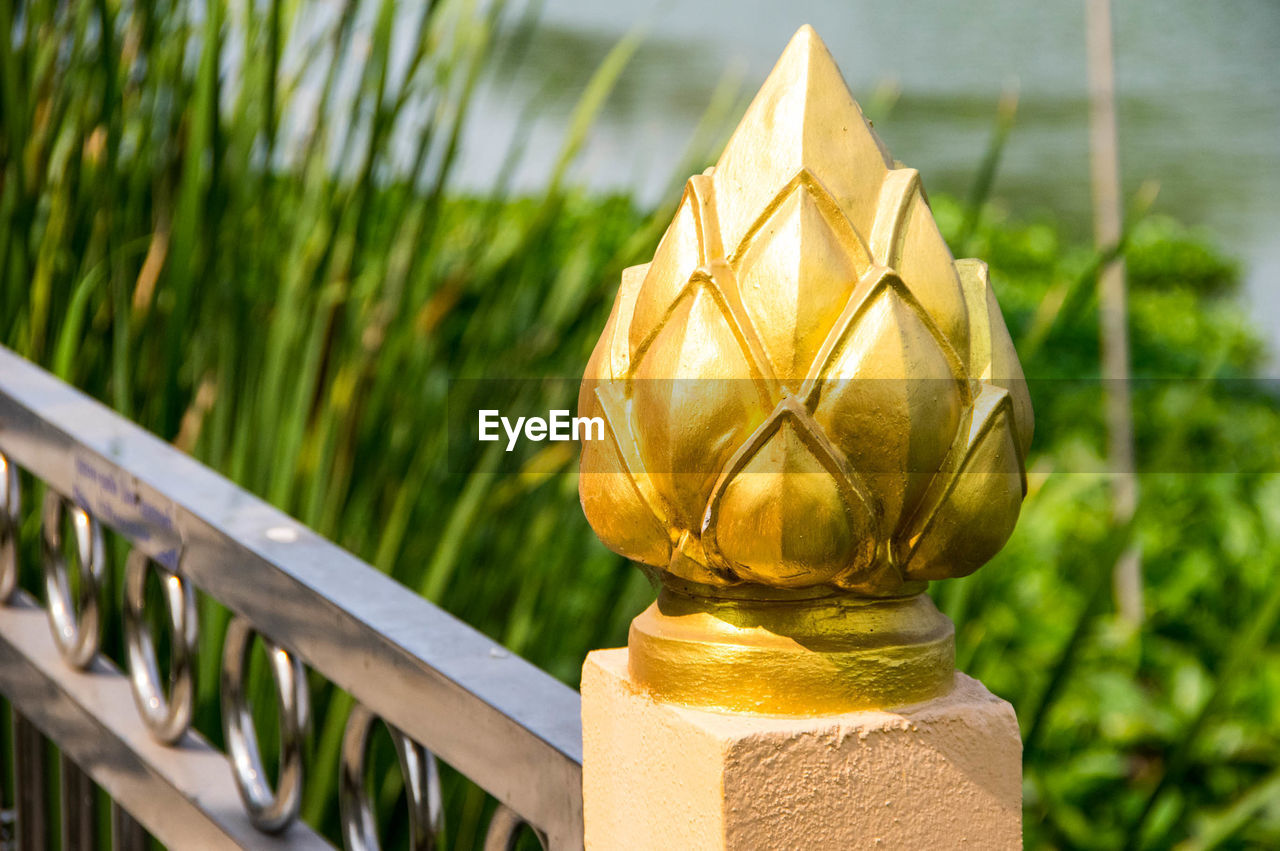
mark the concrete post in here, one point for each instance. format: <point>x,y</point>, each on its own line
<point>942,774</point>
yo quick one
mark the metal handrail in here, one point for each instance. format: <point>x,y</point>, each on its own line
<point>185,797</point>
<point>508,726</point>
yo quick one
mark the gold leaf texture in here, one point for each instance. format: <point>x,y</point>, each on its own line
<point>803,388</point>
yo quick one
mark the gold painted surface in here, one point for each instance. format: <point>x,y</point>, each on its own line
<point>803,393</point>
<point>817,656</point>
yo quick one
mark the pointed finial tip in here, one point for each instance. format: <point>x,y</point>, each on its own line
<point>806,37</point>
<point>805,49</point>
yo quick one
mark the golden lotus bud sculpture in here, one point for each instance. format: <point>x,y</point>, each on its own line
<point>811,411</point>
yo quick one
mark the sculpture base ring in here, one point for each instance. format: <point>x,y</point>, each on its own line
<point>821,655</point>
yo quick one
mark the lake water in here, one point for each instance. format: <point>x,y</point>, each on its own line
<point>1198,86</point>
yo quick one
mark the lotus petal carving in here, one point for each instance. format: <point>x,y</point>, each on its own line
<point>804,388</point>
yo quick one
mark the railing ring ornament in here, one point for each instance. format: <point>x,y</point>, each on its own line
<point>504,830</point>
<point>270,810</point>
<point>76,623</point>
<point>421,782</point>
<point>10,517</point>
<point>166,718</point>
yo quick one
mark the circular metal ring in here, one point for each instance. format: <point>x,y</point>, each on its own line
<point>76,623</point>
<point>269,810</point>
<point>166,718</point>
<point>421,782</point>
<point>504,830</point>
<point>10,517</point>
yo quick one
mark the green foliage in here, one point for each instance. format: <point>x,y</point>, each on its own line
<point>1163,254</point>
<point>1165,733</point>
<point>291,309</point>
<point>295,326</point>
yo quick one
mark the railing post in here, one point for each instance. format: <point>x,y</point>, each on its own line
<point>811,411</point>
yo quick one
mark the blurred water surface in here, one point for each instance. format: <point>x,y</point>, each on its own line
<point>1198,85</point>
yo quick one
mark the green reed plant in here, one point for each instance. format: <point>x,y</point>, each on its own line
<point>284,291</point>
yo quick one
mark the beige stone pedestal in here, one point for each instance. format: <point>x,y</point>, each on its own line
<point>943,774</point>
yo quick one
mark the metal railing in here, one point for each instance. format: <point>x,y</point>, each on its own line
<point>444,689</point>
